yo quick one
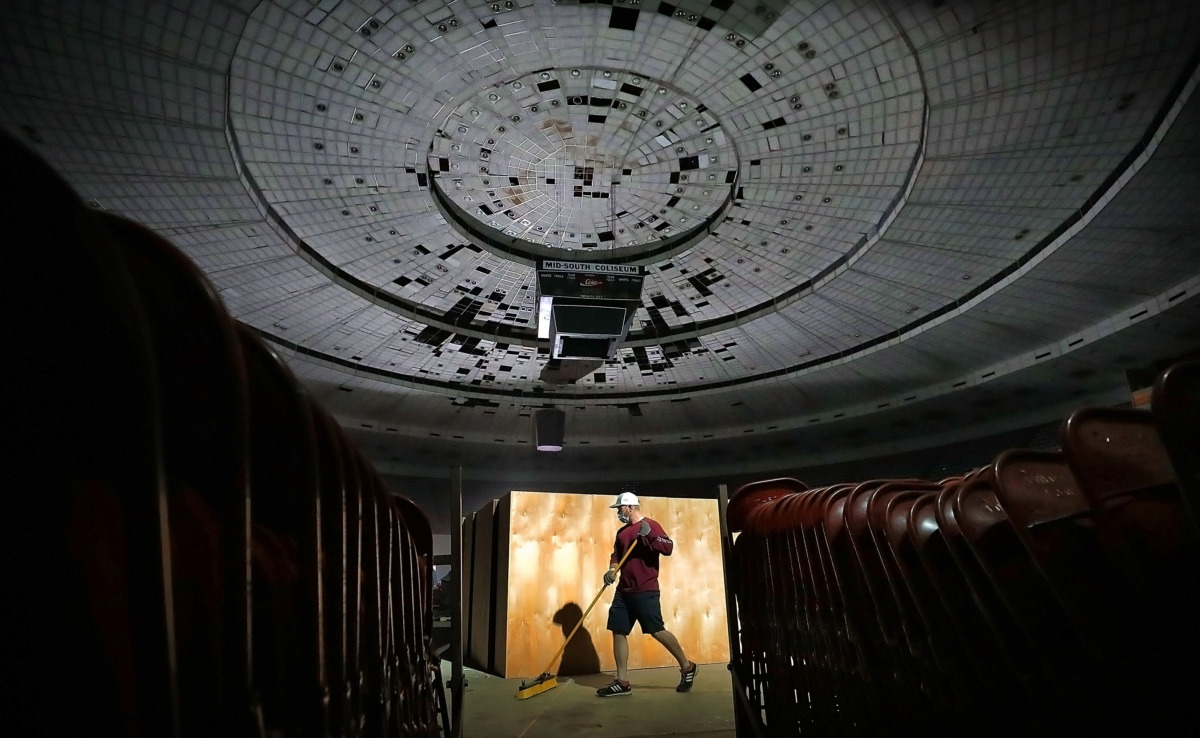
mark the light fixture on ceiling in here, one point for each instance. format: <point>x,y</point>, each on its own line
<point>549,425</point>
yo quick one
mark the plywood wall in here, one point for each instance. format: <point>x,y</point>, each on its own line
<point>557,553</point>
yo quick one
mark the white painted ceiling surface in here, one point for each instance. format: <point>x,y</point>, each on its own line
<point>911,206</point>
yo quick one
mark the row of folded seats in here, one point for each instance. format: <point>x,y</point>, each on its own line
<point>196,548</point>
<point>1048,593</point>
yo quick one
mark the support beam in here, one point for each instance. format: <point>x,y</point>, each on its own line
<point>747,721</point>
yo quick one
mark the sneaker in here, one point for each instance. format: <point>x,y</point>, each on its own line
<point>616,689</point>
<point>685,681</point>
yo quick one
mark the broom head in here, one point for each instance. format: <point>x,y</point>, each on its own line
<point>543,683</point>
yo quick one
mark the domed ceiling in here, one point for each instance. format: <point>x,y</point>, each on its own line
<point>864,225</point>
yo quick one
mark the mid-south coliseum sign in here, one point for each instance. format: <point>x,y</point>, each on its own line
<point>583,266</point>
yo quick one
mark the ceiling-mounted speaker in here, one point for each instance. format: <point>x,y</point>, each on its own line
<point>548,427</point>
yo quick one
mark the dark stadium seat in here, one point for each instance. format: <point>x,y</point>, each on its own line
<point>857,703</point>
<point>768,636</point>
<point>829,680</point>
<point>88,629</point>
<point>202,396</point>
<point>285,544</point>
<point>1145,531</point>
<point>1127,476</point>
<point>927,627</point>
<point>172,542</point>
<point>749,496</point>
<point>1175,404</point>
<point>1004,627</point>
<point>1055,522</point>
<point>889,670</point>
<point>962,640</point>
<point>1044,594</point>
<point>333,486</point>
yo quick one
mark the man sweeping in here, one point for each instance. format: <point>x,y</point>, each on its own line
<point>637,595</point>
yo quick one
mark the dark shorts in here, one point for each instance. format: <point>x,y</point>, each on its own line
<point>642,607</point>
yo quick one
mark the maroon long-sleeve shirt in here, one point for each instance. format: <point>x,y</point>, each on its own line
<point>640,572</point>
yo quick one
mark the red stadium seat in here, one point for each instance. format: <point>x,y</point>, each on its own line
<point>749,496</point>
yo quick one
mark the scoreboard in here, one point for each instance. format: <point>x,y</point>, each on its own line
<point>586,308</point>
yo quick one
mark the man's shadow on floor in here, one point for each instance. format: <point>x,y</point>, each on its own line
<point>579,659</point>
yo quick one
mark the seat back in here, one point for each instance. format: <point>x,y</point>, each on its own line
<point>955,613</point>
<point>285,476</point>
<point>1175,404</point>
<point>751,495</point>
<point>1053,517</point>
<point>770,636</point>
<point>88,647</point>
<point>1021,586</point>
<point>338,576</point>
<point>1127,475</point>
<point>202,389</point>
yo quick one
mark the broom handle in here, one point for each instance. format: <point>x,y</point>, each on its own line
<point>585,614</point>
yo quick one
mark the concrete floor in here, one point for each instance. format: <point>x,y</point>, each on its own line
<point>491,708</point>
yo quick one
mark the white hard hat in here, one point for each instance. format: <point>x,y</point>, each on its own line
<point>626,498</point>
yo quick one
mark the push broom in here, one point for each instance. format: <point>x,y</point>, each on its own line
<point>546,681</point>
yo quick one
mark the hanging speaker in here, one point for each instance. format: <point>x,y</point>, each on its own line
<point>548,427</point>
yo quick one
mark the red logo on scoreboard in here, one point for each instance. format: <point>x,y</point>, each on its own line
<point>591,281</point>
